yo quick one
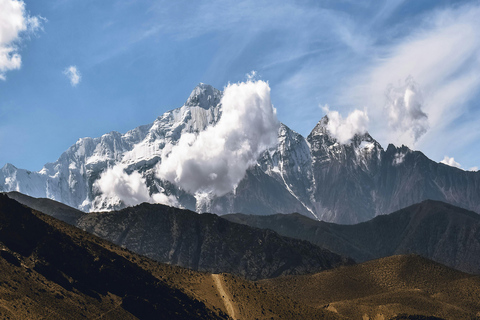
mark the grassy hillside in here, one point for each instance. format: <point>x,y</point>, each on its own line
<point>388,287</point>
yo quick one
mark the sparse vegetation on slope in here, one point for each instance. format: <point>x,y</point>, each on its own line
<point>51,269</point>
<point>433,229</point>
<point>386,288</point>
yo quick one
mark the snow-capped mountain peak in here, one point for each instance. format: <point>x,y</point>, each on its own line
<point>204,96</point>
<point>316,176</point>
<point>326,148</point>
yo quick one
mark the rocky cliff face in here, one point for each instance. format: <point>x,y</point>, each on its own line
<point>344,175</point>
<point>316,176</point>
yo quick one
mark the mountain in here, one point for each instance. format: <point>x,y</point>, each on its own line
<point>54,270</point>
<point>398,287</point>
<point>207,242</point>
<point>316,176</point>
<point>358,181</point>
<point>203,242</point>
<point>433,229</point>
<point>71,178</point>
<point>51,207</point>
<point>51,270</point>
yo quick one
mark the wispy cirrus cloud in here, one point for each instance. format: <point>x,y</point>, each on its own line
<point>443,56</point>
<point>413,71</point>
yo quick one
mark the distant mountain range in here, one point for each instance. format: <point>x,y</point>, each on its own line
<point>433,229</point>
<point>316,176</point>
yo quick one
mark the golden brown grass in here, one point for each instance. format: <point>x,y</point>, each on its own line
<point>385,288</point>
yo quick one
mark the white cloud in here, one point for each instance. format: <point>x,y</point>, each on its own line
<point>216,160</point>
<point>404,110</point>
<point>399,158</point>
<point>443,56</point>
<point>131,189</point>
<point>14,24</point>
<point>344,129</point>
<point>167,200</point>
<point>73,75</point>
<point>251,76</point>
<point>451,162</point>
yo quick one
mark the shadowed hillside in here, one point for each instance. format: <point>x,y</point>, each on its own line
<point>54,270</point>
<point>47,272</point>
<point>207,242</point>
<point>433,229</point>
<point>55,209</point>
<point>202,242</point>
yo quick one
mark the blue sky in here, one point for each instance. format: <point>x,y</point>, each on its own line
<point>410,68</point>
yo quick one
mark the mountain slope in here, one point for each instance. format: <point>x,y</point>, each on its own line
<point>358,181</point>
<point>203,242</point>
<point>53,208</point>
<point>433,229</point>
<point>387,288</point>
<point>51,269</point>
<point>207,242</point>
<point>316,176</point>
<point>54,273</point>
<point>54,270</point>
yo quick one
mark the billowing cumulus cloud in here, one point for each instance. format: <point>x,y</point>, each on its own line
<point>404,109</point>
<point>344,129</point>
<point>450,162</point>
<point>215,160</point>
<point>131,189</point>
<point>14,23</point>
<point>73,75</point>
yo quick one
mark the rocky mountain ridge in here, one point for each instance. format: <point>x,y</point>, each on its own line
<point>316,176</point>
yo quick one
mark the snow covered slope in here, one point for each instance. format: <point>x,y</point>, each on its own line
<point>316,176</point>
<point>70,179</point>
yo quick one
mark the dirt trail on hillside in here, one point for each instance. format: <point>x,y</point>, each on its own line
<point>227,300</point>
